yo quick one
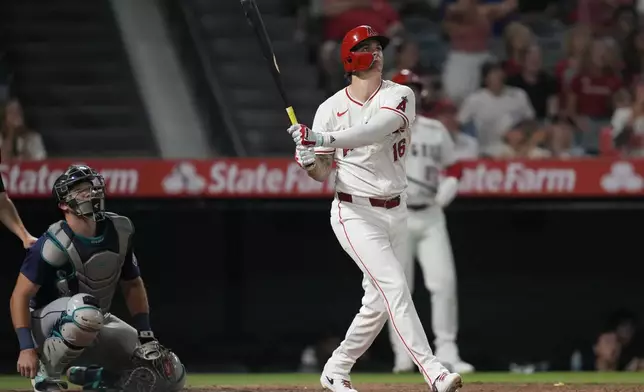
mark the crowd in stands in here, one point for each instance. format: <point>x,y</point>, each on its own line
<point>526,79</point>
<point>18,142</point>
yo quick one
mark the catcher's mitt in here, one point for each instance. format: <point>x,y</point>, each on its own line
<point>155,368</point>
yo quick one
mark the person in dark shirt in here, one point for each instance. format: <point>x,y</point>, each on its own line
<point>64,291</point>
<point>9,217</point>
<point>540,87</point>
<point>37,270</point>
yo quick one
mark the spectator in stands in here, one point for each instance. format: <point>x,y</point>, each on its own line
<point>591,94</point>
<point>499,24</point>
<point>17,142</point>
<point>465,146</point>
<point>625,24</point>
<point>5,76</point>
<point>522,139</point>
<point>577,44</point>
<point>617,348</point>
<point>560,141</point>
<point>407,56</point>
<point>538,84</point>
<point>607,352</point>
<point>633,56</point>
<point>628,125</point>
<point>494,106</point>
<point>518,38</point>
<point>598,14</point>
<point>468,24</point>
<point>340,16</point>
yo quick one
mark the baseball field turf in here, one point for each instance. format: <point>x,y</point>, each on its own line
<point>478,382</point>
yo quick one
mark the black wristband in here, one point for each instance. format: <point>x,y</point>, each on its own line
<point>141,322</point>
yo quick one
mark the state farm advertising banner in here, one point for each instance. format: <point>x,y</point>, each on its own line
<point>283,178</point>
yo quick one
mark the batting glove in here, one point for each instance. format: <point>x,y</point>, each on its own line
<point>303,136</point>
<point>304,156</point>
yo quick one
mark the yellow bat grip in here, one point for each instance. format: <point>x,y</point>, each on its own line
<point>291,115</point>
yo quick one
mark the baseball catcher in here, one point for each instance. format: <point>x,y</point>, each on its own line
<point>61,301</point>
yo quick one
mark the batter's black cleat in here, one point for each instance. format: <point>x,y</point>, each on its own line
<point>93,378</point>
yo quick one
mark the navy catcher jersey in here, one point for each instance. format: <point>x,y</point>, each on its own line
<point>40,272</point>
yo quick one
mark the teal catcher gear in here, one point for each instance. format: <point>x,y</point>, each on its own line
<point>76,329</point>
<point>154,369</point>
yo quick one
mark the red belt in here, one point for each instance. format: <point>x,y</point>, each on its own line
<point>384,203</point>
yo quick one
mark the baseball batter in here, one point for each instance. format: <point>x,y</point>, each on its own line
<point>431,153</point>
<point>364,128</point>
<point>60,304</point>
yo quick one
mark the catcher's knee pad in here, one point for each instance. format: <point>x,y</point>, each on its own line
<point>76,329</point>
<point>82,321</point>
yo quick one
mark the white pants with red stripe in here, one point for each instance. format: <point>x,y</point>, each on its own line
<point>429,241</point>
<point>376,239</point>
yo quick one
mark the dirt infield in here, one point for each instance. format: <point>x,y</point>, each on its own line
<point>472,387</point>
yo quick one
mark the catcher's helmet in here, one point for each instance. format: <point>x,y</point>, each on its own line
<point>86,202</point>
<point>359,61</point>
<point>407,78</point>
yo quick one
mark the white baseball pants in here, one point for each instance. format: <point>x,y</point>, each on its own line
<point>376,238</point>
<point>429,241</point>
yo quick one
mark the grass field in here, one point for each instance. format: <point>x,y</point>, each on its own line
<point>409,382</point>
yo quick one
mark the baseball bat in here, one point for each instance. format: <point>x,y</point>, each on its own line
<point>255,20</point>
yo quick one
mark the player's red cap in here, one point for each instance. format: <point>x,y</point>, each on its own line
<point>359,61</point>
<point>407,78</point>
<point>443,106</point>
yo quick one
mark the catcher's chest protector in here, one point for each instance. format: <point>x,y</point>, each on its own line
<point>99,273</point>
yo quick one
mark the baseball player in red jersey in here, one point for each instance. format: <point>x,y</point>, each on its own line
<point>431,153</point>
<point>364,128</point>
<point>9,217</point>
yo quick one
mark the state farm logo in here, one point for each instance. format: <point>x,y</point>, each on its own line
<point>184,178</point>
<point>37,179</point>
<point>622,177</point>
<point>228,177</point>
<point>517,177</point>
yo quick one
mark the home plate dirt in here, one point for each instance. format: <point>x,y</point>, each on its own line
<point>471,387</point>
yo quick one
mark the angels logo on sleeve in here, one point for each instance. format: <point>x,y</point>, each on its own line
<point>402,106</point>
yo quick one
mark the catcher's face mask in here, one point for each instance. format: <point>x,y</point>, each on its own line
<point>87,199</point>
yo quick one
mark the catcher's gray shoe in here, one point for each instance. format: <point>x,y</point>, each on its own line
<point>43,383</point>
<point>46,384</point>
<point>93,378</point>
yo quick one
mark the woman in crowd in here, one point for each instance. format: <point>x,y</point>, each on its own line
<point>17,141</point>
<point>591,93</point>
<point>518,39</point>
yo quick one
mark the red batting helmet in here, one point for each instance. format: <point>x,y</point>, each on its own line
<point>359,61</point>
<point>407,78</point>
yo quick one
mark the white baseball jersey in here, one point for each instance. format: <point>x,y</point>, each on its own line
<point>432,150</point>
<point>376,170</point>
